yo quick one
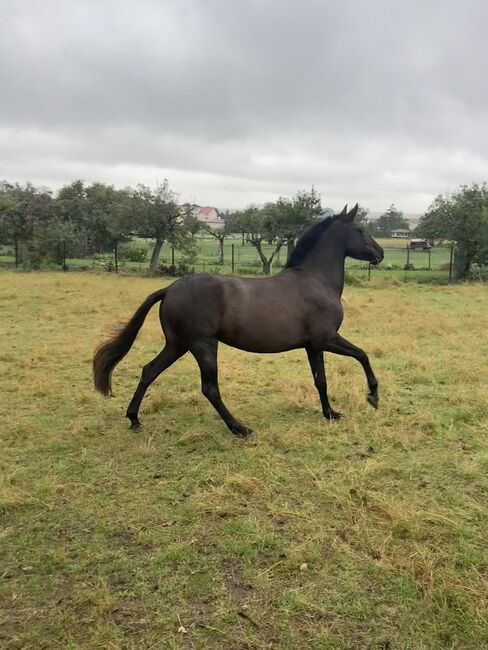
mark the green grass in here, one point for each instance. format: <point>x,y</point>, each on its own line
<point>246,260</point>
<point>366,533</point>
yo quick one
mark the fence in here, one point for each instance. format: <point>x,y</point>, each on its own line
<point>401,262</point>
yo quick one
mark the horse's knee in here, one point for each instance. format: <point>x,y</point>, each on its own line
<point>210,391</point>
<point>149,373</point>
<point>362,357</point>
<point>145,376</point>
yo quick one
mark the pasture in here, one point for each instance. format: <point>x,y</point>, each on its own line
<point>246,259</point>
<point>366,533</point>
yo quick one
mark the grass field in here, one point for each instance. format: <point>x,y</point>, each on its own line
<point>367,533</point>
<point>246,259</point>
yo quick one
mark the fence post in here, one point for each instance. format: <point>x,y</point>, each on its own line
<point>232,250</point>
<point>450,262</point>
<point>408,263</point>
<point>65,268</point>
<point>429,258</point>
<point>369,270</point>
<point>116,256</point>
<point>16,247</point>
<point>173,256</point>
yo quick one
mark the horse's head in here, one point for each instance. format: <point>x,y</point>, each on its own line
<point>359,244</point>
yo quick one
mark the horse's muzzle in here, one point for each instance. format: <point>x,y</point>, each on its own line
<point>378,256</point>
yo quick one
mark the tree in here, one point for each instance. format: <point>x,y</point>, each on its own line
<point>71,208</point>
<point>220,234</point>
<point>190,223</point>
<point>369,225</point>
<point>254,222</point>
<point>235,224</point>
<point>157,216</point>
<point>101,219</point>
<point>24,212</point>
<point>278,223</point>
<point>461,217</point>
<point>95,217</point>
<point>290,217</point>
<point>392,219</point>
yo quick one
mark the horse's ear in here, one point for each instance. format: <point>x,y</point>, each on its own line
<point>349,216</point>
<point>343,213</point>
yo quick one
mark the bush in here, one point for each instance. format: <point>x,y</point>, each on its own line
<point>249,270</point>
<point>478,273</point>
<point>177,271</point>
<point>132,253</point>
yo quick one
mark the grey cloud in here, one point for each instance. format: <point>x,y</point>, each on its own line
<point>378,100</point>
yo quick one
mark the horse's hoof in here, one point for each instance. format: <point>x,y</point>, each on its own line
<point>333,415</point>
<point>372,398</point>
<point>136,426</point>
<point>243,432</point>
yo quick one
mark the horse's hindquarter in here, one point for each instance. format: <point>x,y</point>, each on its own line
<point>193,308</point>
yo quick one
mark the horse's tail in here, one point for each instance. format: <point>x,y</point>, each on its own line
<point>108,355</point>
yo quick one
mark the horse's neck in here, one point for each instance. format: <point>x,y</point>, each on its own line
<point>327,261</point>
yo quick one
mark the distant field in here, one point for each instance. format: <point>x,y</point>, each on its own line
<point>246,259</point>
<point>367,533</point>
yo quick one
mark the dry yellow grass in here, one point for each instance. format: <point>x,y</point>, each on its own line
<point>366,533</point>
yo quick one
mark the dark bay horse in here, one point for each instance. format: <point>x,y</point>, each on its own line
<point>300,307</point>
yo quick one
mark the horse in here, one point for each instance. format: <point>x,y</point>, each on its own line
<point>299,307</point>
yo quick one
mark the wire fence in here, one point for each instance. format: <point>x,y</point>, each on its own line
<point>235,257</point>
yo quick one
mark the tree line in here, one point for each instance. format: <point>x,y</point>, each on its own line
<point>96,218</point>
<point>462,217</point>
<point>84,219</point>
<point>87,219</point>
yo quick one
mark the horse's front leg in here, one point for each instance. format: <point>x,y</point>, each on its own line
<point>316,360</point>
<point>339,345</point>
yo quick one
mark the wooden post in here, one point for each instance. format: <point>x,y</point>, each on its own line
<point>369,270</point>
<point>450,262</point>
<point>116,256</point>
<point>16,246</point>
<point>173,256</point>
<point>429,258</point>
<point>65,268</point>
<point>232,250</point>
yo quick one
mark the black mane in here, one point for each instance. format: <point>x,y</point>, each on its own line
<point>307,242</point>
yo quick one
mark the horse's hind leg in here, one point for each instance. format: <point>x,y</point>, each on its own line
<point>170,353</point>
<point>205,353</point>
<point>316,360</point>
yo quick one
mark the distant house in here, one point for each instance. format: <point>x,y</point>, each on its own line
<point>400,233</point>
<point>209,216</point>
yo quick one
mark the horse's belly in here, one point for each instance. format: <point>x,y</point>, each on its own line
<point>262,340</point>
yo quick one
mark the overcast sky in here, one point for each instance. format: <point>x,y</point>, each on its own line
<point>241,101</point>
